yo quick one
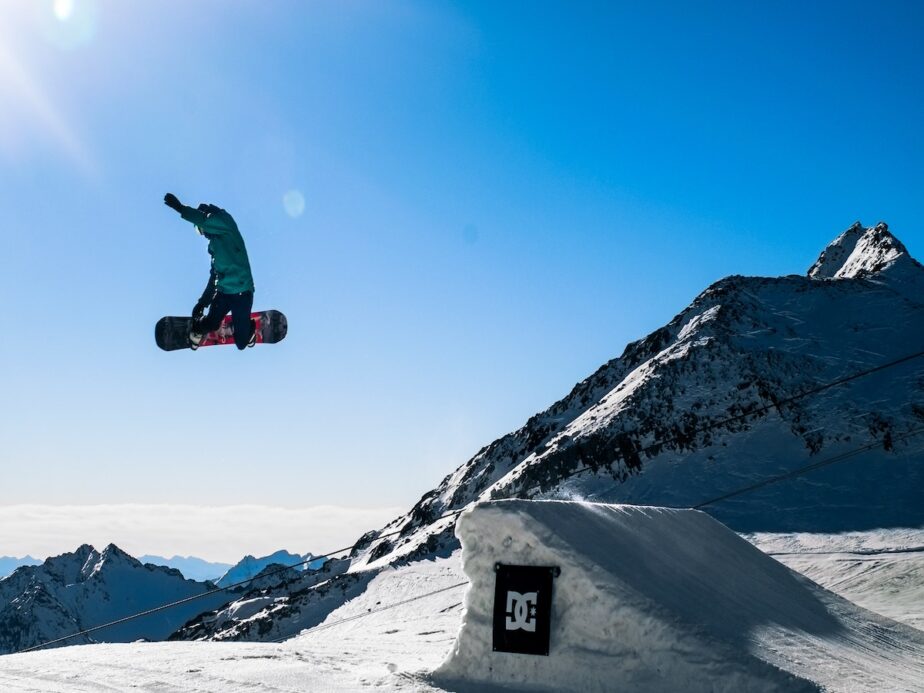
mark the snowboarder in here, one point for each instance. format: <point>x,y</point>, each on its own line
<point>230,287</point>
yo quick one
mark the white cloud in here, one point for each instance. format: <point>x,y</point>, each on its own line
<point>219,533</point>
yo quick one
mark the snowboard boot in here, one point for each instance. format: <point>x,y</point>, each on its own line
<point>253,333</point>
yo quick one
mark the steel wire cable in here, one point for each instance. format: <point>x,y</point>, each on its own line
<point>806,469</point>
<point>657,445</point>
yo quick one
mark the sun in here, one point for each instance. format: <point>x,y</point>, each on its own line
<point>63,9</point>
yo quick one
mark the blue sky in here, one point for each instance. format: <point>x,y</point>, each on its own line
<point>497,198</point>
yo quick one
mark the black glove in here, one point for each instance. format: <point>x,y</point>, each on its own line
<point>199,310</point>
<point>207,297</point>
<point>171,201</point>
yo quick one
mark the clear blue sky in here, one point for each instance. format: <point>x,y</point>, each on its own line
<point>498,197</point>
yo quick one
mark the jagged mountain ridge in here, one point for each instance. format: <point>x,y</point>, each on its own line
<point>86,588</point>
<point>744,344</point>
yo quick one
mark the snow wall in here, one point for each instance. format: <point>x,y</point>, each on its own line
<point>649,599</point>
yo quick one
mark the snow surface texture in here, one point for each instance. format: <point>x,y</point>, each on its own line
<point>655,599</point>
<point>882,571</point>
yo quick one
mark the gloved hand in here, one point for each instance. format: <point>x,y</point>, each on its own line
<point>198,311</point>
<point>171,201</point>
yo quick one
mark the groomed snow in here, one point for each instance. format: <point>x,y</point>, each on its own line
<point>880,570</point>
<point>673,599</point>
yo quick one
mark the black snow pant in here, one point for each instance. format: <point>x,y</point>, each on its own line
<point>239,305</point>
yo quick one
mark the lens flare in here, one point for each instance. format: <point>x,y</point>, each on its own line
<point>294,203</point>
<point>68,24</point>
<point>29,112</point>
<point>63,9</point>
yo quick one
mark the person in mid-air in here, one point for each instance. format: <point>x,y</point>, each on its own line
<point>230,287</point>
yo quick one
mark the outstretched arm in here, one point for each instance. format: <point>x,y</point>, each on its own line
<point>210,223</point>
<point>188,213</point>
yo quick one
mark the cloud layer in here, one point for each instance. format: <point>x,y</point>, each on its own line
<point>219,533</point>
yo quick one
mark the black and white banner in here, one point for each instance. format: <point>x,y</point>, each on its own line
<point>523,608</point>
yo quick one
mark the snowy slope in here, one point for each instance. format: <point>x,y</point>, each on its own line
<point>881,570</point>
<point>86,588</point>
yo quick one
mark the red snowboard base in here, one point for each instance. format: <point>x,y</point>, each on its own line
<point>172,333</point>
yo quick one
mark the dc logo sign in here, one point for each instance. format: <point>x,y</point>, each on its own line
<point>521,611</point>
<point>523,608</point>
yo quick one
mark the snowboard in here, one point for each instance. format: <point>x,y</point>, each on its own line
<point>172,332</point>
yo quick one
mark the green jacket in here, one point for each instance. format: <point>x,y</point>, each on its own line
<point>230,265</point>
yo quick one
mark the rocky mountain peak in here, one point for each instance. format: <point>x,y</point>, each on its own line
<point>114,553</point>
<point>88,587</point>
<point>861,252</point>
<point>109,558</point>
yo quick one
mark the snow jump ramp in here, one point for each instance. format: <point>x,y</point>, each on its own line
<point>656,599</point>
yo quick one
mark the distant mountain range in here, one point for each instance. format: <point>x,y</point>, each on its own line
<point>192,568</point>
<point>250,566</point>
<point>699,408</point>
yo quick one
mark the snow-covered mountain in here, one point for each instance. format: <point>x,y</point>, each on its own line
<point>272,606</point>
<point>744,344</point>
<point>678,397</point>
<point>86,588</point>
<point>192,568</point>
<point>9,563</point>
<point>249,566</point>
